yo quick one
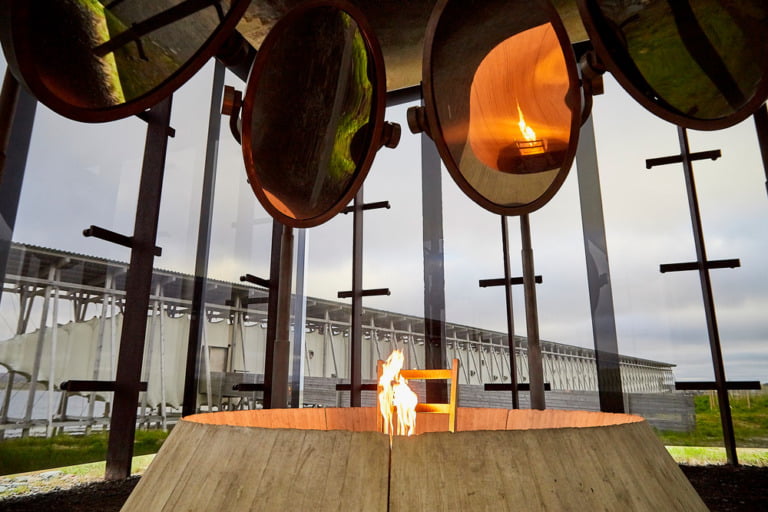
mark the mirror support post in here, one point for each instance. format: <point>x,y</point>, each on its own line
<point>510,312</point>
<point>122,424</point>
<point>356,327</point>
<point>535,366</point>
<point>278,353</point>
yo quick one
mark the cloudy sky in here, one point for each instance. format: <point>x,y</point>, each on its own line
<point>82,174</point>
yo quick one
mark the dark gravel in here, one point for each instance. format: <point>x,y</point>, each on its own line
<point>723,489</point>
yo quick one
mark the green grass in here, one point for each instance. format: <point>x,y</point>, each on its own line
<point>31,454</point>
<point>750,423</point>
<point>697,455</point>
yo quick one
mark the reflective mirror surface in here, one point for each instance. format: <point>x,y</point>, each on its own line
<point>504,101</point>
<point>312,114</point>
<point>697,63</point>
<point>97,60</point>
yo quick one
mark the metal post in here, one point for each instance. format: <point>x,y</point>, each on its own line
<point>99,347</point>
<point>510,312</point>
<point>17,115</point>
<point>434,268</point>
<point>274,281</point>
<point>761,127</point>
<point>356,327</point>
<point>280,362</point>
<point>598,274</point>
<point>138,288</point>
<point>197,312</point>
<point>38,352</point>
<point>709,303</point>
<point>54,347</point>
<point>299,321</point>
<point>535,368</point>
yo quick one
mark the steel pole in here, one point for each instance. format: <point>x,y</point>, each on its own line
<point>356,322</point>
<point>510,312</point>
<point>709,302</point>
<point>282,346</point>
<point>535,367</point>
<point>138,288</point>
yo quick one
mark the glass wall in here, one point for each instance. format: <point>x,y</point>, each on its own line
<point>80,174</point>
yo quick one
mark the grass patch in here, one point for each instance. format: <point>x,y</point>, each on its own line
<point>34,453</point>
<point>698,455</point>
<point>750,422</point>
<point>95,470</point>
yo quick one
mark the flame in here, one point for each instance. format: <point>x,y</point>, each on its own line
<point>396,396</point>
<point>526,130</point>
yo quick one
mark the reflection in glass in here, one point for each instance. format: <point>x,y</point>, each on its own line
<point>98,54</point>
<point>506,99</point>
<point>514,126</point>
<point>703,59</point>
<point>311,114</point>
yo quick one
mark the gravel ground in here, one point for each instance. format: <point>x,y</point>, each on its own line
<point>723,489</point>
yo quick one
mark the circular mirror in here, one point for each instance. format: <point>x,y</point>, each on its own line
<point>502,100</point>
<point>101,60</point>
<point>700,64</point>
<point>313,112</point>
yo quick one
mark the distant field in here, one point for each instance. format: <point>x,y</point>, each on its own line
<point>749,411</point>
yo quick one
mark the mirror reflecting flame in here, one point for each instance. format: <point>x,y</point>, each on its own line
<point>396,398</point>
<point>526,130</point>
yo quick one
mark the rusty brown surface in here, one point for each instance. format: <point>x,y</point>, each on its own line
<point>399,25</point>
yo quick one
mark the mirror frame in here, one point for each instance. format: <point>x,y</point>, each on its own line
<point>14,23</point>
<point>760,97</point>
<point>434,129</point>
<point>377,109</point>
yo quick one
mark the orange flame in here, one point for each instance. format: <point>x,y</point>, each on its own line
<point>526,130</point>
<point>396,396</point>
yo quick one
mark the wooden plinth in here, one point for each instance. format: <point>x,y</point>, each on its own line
<point>331,459</point>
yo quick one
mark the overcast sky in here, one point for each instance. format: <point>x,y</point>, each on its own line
<point>82,174</point>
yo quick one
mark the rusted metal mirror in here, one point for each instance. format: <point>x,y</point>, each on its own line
<point>502,100</point>
<point>101,60</point>
<point>700,64</point>
<point>313,113</point>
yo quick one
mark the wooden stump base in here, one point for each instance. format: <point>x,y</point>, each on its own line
<point>331,459</point>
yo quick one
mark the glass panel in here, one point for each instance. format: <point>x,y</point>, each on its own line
<point>311,114</point>
<point>98,54</point>
<point>502,101</point>
<point>703,60</point>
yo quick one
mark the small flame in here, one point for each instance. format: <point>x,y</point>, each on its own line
<point>526,130</point>
<point>396,395</point>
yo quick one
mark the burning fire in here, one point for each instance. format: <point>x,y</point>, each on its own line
<point>395,396</point>
<point>526,130</point>
<point>531,145</point>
